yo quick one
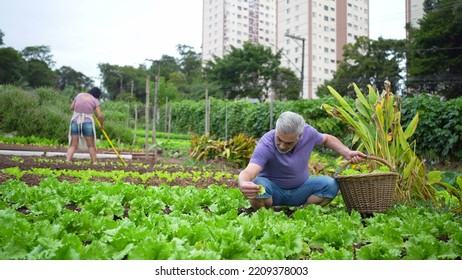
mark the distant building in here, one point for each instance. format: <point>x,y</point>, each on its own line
<point>322,27</point>
<point>414,12</point>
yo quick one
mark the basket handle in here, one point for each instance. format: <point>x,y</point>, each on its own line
<point>369,157</point>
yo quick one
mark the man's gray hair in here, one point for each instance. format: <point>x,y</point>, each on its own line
<point>290,123</point>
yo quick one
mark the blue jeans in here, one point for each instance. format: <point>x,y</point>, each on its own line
<point>87,129</point>
<point>322,186</point>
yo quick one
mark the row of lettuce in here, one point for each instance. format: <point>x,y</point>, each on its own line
<point>96,220</point>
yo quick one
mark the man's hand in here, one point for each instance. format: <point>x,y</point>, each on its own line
<point>355,156</point>
<point>249,189</point>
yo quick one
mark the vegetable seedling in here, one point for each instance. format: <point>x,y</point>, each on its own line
<point>262,190</point>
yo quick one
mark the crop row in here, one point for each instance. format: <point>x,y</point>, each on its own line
<point>98,220</point>
<point>120,175</point>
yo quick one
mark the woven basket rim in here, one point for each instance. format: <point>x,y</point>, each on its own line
<point>374,174</point>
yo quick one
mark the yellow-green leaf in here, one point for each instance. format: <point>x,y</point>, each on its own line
<point>434,177</point>
<point>408,168</point>
<point>362,109</point>
<point>341,100</point>
<point>410,129</point>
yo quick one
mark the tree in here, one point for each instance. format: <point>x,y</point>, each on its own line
<point>118,80</point>
<point>1,37</point>
<point>179,80</point>
<point>286,86</point>
<point>168,64</point>
<point>40,75</point>
<point>245,72</point>
<point>366,62</point>
<point>39,63</point>
<point>41,53</point>
<point>70,77</point>
<point>190,62</point>
<point>12,67</point>
<point>435,53</point>
<point>168,90</point>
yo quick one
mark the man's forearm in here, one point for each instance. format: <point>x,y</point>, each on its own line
<point>333,143</point>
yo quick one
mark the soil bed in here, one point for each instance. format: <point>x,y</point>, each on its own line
<point>139,163</point>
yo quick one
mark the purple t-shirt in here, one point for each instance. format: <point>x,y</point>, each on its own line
<point>288,170</point>
<point>85,103</point>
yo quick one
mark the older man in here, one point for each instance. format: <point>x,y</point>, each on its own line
<point>279,163</point>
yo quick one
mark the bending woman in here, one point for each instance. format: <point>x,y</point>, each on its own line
<point>82,127</point>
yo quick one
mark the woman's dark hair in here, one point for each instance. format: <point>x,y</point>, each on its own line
<point>96,92</point>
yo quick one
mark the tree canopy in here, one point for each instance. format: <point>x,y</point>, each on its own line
<point>366,62</point>
<point>435,50</point>
<point>12,67</point>
<point>251,71</point>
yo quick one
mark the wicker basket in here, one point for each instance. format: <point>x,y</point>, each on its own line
<point>368,193</point>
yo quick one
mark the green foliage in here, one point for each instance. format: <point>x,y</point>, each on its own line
<point>29,140</point>
<point>113,221</point>
<point>434,56</point>
<point>41,113</point>
<point>367,61</point>
<point>45,113</point>
<point>376,122</point>
<point>31,67</point>
<point>287,85</point>
<point>245,72</point>
<point>13,67</point>
<point>116,123</point>
<point>250,118</point>
<point>451,183</point>
<point>439,135</point>
<point>177,77</point>
<point>14,104</point>
<point>70,78</point>
<point>39,74</point>
<point>237,150</point>
<point>356,169</point>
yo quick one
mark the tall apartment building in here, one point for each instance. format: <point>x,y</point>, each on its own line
<point>311,34</point>
<point>229,23</point>
<point>414,11</point>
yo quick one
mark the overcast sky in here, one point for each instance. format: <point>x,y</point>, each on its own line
<point>83,33</point>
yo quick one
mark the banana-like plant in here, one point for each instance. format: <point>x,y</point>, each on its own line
<point>237,150</point>
<point>376,122</point>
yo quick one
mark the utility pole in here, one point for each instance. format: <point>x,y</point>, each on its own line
<point>303,59</point>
